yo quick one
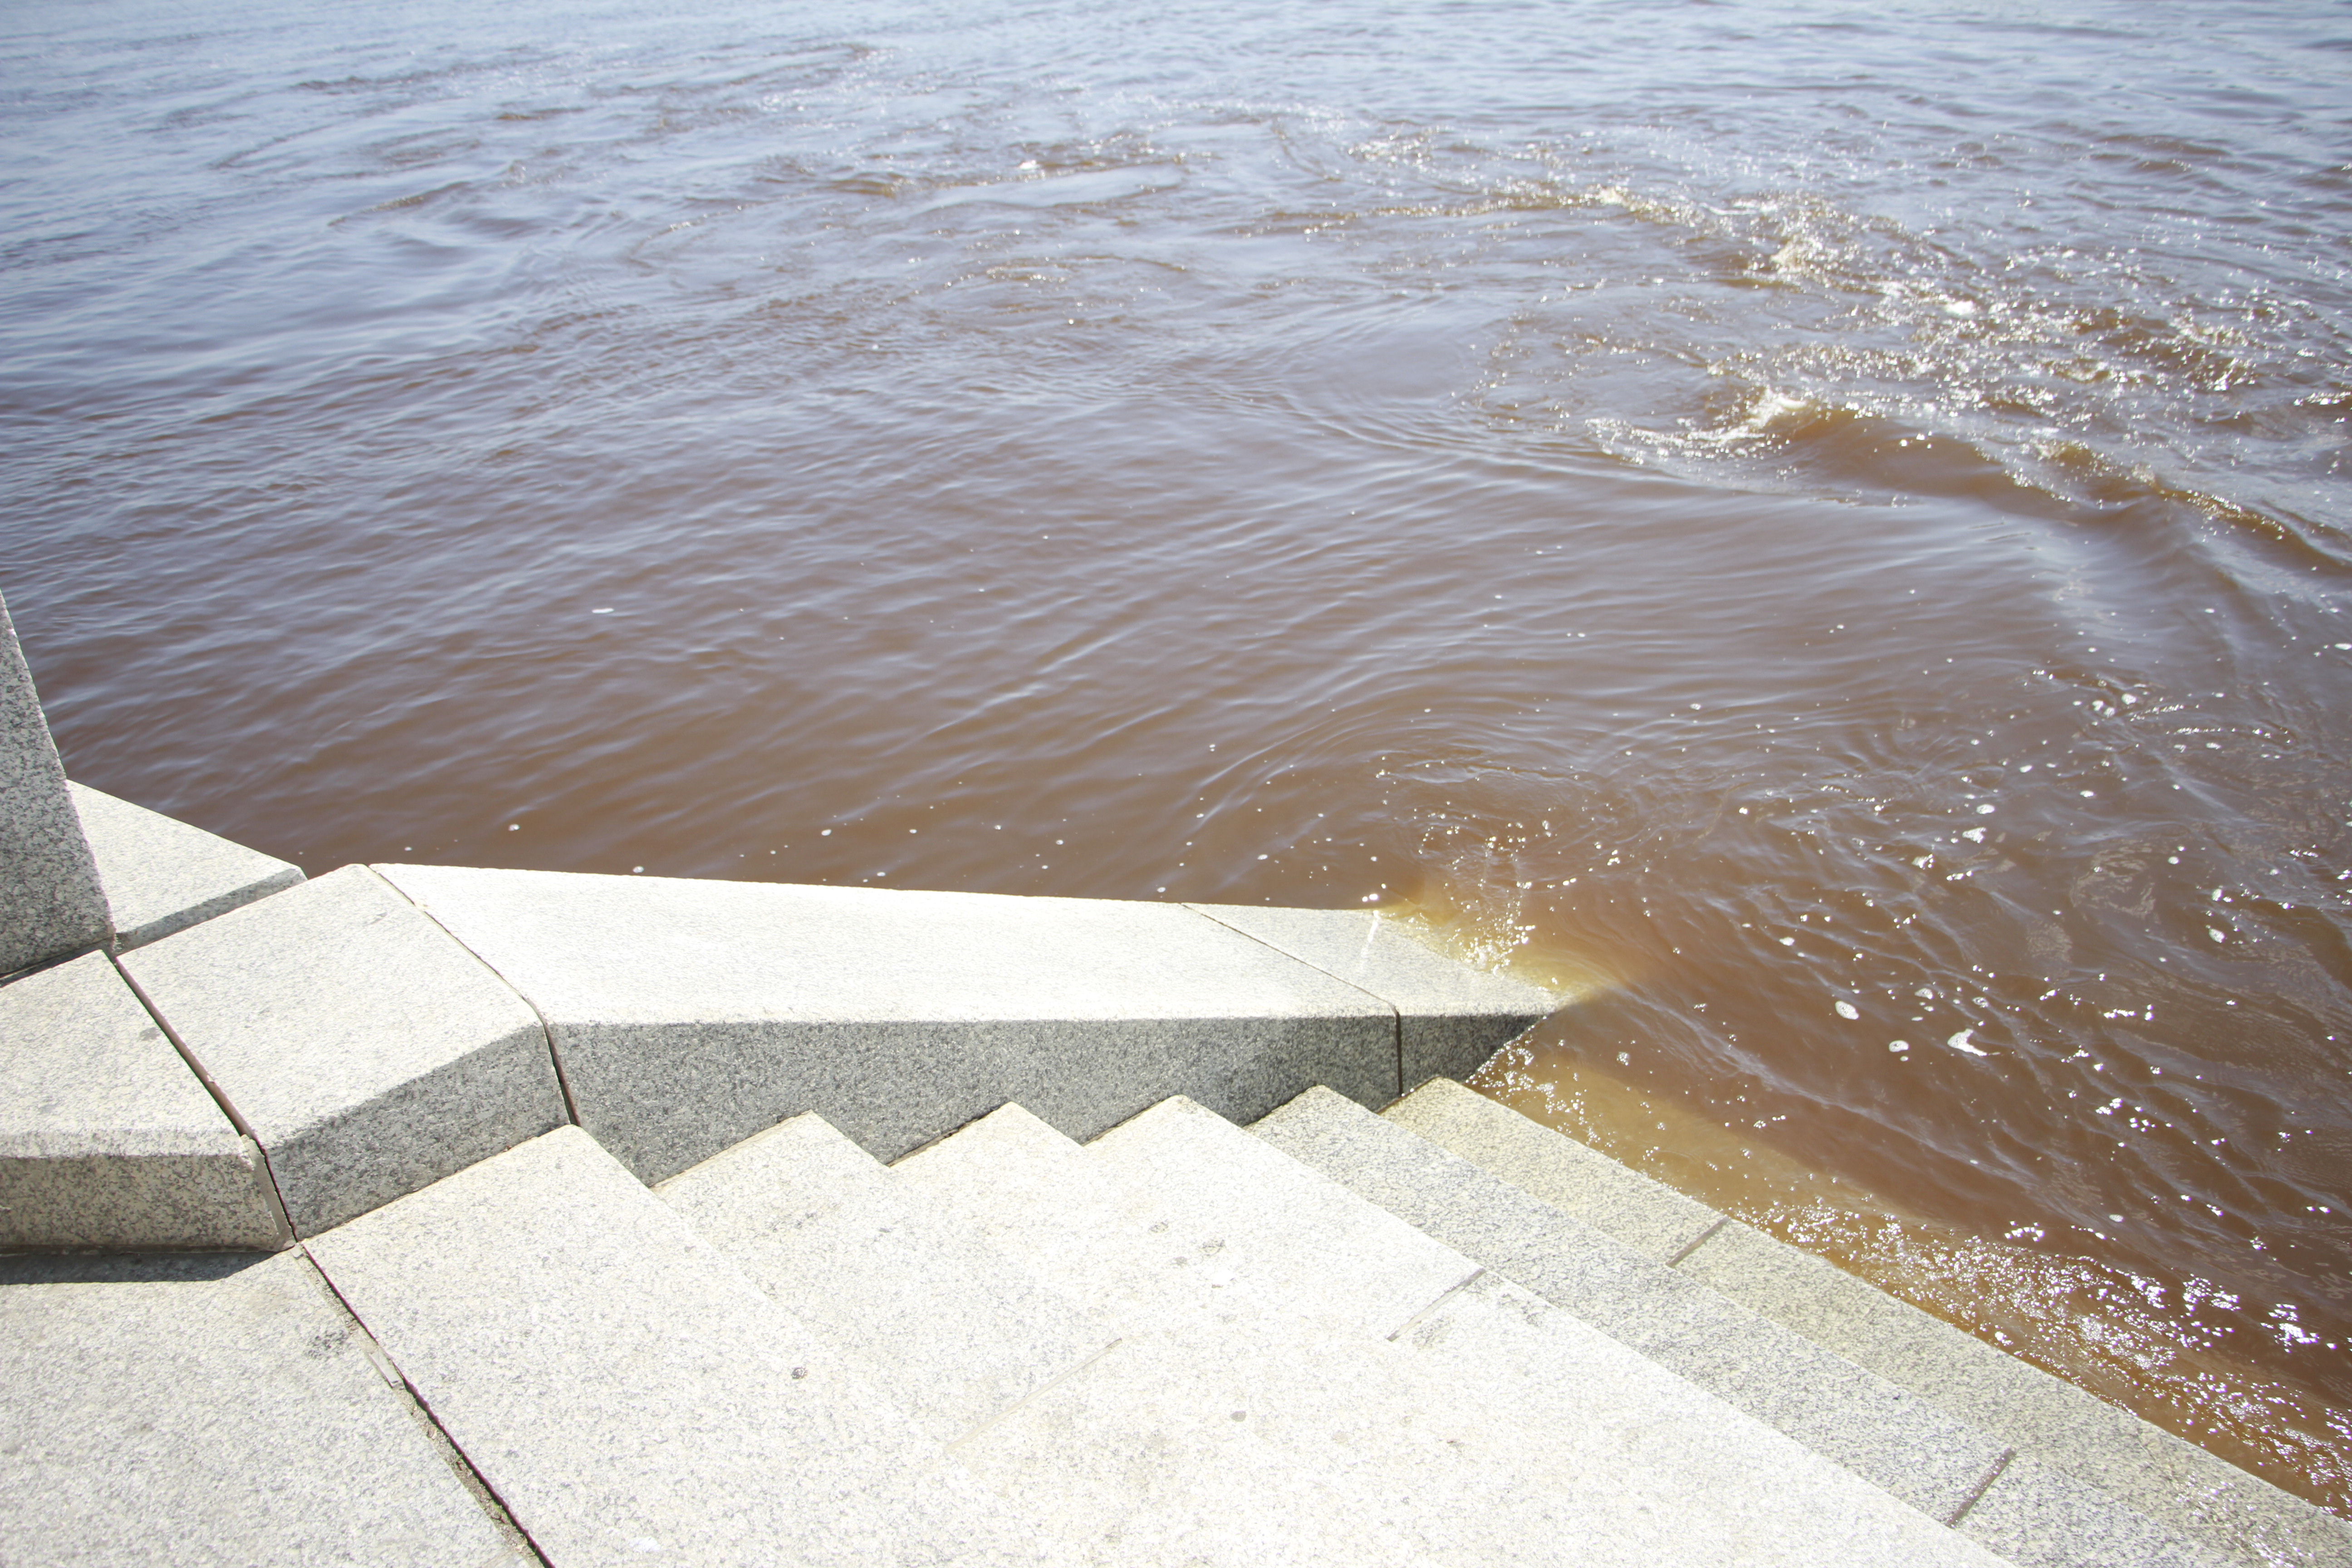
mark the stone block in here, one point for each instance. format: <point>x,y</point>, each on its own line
<point>51,903</point>
<point>688,1016</point>
<point>630,1395</point>
<point>954,1329</point>
<point>1450,1017</point>
<point>365,1050</point>
<point>106,1138</point>
<point>204,1409</point>
<point>161,875</point>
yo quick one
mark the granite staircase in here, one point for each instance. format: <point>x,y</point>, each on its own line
<point>425,1215</point>
<point>1332,1337</point>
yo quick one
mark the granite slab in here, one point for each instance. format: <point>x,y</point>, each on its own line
<point>367,1052</point>
<point>689,1015</point>
<point>1451,1016</point>
<point>207,1410</point>
<point>106,1138</point>
<point>160,874</point>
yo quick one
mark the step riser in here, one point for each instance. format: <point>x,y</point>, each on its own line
<point>954,1330</point>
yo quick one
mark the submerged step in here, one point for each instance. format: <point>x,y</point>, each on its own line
<point>630,1395</point>
<point>2225,1510</point>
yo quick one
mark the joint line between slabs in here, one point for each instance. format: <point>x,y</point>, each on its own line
<point>469,1474</point>
<point>980,1429</point>
<point>1442,1297</point>
<point>271,1195</point>
<point>1999,1466</point>
<point>1701,1239</point>
<point>546,1030</point>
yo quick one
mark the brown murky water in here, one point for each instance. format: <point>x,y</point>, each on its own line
<point>1822,528</point>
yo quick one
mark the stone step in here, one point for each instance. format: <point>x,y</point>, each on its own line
<point>2237,1516</point>
<point>954,1329</point>
<point>1135,1451</point>
<point>1943,1466</point>
<point>195,1409</point>
<point>107,1139</point>
<point>162,876</point>
<point>629,1394</point>
<point>1141,1258</point>
<point>1293,1236</point>
<point>1259,1297</point>
<point>365,1050</point>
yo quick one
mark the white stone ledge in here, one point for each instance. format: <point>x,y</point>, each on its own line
<point>688,1016</point>
<point>162,876</point>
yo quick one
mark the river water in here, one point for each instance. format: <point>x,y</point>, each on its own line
<point>1809,527</point>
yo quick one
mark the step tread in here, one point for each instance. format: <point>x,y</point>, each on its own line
<point>626,1391</point>
<point>1301,1242</point>
<point>2225,1509</point>
<point>197,1409</point>
<point>953,1328</point>
<point>163,875</point>
<point>1135,1457</point>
